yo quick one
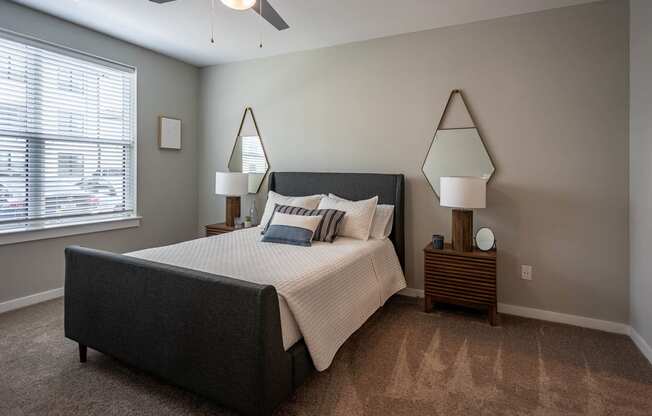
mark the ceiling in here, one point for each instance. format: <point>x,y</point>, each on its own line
<point>181,29</point>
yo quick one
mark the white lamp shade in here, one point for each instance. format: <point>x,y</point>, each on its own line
<point>231,183</point>
<point>239,4</point>
<point>462,192</point>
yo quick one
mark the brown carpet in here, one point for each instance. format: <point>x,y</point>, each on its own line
<point>402,362</point>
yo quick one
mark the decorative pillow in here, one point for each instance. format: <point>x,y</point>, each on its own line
<point>358,218</point>
<point>327,229</point>
<point>292,229</point>
<point>381,226</point>
<point>308,202</point>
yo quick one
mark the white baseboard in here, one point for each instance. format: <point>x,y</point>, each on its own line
<point>410,292</point>
<point>641,344</point>
<point>13,304</point>
<point>563,318</point>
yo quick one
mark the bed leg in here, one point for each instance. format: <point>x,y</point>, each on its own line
<point>82,353</point>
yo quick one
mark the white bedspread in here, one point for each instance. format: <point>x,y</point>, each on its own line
<point>330,289</point>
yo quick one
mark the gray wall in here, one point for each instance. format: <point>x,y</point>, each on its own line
<point>640,168</point>
<point>167,180</point>
<point>550,94</point>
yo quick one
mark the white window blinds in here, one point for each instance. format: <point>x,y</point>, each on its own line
<point>253,155</point>
<point>67,140</point>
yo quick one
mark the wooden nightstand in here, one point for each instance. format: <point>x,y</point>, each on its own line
<point>217,229</point>
<point>462,278</point>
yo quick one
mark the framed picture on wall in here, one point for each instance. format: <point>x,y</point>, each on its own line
<point>169,133</point>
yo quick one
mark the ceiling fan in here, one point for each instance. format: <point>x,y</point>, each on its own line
<point>268,12</point>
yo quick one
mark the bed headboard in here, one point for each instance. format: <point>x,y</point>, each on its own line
<point>355,186</point>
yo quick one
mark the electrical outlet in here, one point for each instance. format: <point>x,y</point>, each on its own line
<point>526,272</point>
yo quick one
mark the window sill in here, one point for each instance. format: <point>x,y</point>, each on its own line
<point>70,228</point>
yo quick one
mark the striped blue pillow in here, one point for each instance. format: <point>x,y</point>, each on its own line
<point>327,229</point>
<point>292,229</point>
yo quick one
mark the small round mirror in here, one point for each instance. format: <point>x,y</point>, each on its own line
<point>485,239</point>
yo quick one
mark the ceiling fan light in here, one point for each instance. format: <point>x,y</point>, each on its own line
<point>239,4</point>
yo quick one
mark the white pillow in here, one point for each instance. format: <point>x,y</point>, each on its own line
<point>357,220</point>
<point>308,202</point>
<point>381,226</point>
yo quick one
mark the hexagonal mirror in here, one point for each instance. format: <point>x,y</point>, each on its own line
<point>457,152</point>
<point>248,154</point>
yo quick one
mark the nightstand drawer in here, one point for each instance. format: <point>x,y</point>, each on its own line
<point>463,261</point>
<point>215,232</point>
<point>218,229</point>
<point>437,286</point>
<point>462,281</point>
<point>455,264</point>
<point>484,275</point>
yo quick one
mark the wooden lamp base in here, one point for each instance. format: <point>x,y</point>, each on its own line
<point>232,210</point>
<point>462,230</point>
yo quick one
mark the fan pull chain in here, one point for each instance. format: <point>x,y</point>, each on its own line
<point>261,24</point>
<point>212,21</point>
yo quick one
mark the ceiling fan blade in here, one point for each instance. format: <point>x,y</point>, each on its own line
<point>270,14</point>
<point>161,1</point>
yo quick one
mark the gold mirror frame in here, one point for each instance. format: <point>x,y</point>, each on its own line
<point>439,128</point>
<point>260,139</point>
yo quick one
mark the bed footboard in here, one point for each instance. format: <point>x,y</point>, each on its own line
<point>217,336</point>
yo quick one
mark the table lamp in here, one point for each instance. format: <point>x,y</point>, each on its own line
<point>232,185</point>
<point>463,194</point>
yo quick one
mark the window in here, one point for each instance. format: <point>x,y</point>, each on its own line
<point>67,137</point>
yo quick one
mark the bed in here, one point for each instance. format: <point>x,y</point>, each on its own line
<point>205,316</point>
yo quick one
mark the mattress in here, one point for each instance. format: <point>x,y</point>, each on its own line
<point>326,292</point>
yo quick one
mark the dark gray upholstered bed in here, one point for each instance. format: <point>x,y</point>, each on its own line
<point>216,336</point>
